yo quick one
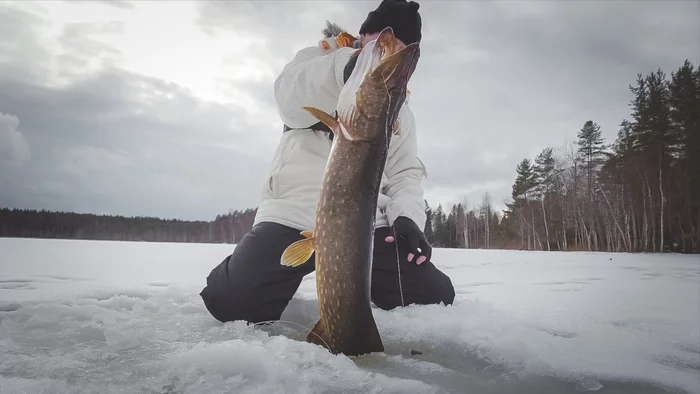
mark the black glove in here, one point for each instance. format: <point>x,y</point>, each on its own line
<point>407,230</point>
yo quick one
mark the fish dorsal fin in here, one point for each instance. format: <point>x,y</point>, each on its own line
<point>327,119</point>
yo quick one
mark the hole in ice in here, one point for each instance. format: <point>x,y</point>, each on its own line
<point>159,284</point>
<point>679,363</point>
<point>562,334</point>
<point>9,307</point>
<point>61,277</point>
<point>474,284</point>
<point>17,280</point>
<point>17,286</point>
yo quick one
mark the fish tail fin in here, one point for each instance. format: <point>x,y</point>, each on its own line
<point>363,342</point>
<point>300,251</point>
<point>375,340</point>
<point>318,336</point>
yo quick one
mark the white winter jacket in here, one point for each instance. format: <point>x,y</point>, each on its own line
<point>293,186</point>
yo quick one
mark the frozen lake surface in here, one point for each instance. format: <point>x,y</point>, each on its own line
<point>121,317</point>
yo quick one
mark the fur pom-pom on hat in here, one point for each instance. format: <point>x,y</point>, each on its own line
<point>332,30</point>
<point>335,37</point>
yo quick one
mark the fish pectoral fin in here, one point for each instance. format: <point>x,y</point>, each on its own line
<point>299,252</point>
<point>375,339</point>
<point>349,133</point>
<point>327,119</point>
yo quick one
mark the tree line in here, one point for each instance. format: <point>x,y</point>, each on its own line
<point>639,194</point>
<point>28,223</point>
<point>460,227</point>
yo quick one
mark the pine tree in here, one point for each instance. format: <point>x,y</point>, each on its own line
<point>591,150</point>
<point>685,117</point>
<point>591,153</point>
<point>428,230</point>
<point>524,182</point>
<point>654,140</point>
<point>525,179</point>
<point>486,211</point>
<point>439,227</point>
<point>544,181</point>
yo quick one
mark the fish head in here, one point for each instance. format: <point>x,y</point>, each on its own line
<point>376,89</point>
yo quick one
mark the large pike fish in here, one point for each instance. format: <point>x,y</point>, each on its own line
<point>343,236</point>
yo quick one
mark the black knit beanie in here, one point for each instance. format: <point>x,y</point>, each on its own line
<point>401,15</point>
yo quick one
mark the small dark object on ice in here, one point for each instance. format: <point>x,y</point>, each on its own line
<point>169,388</point>
<point>415,352</point>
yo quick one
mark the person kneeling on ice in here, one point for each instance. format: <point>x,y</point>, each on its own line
<point>250,284</point>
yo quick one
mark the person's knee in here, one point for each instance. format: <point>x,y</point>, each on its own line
<point>436,294</point>
<point>439,288</point>
<point>420,287</point>
<point>237,306</point>
<point>448,292</point>
<point>250,284</point>
<point>385,300</point>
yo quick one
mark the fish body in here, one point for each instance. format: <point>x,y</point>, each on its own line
<point>343,235</point>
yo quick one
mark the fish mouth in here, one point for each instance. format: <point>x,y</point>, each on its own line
<point>380,63</point>
<point>377,86</point>
<point>395,67</point>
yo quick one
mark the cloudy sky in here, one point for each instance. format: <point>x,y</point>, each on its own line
<point>166,109</point>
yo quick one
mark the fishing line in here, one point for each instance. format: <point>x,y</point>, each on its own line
<point>393,229</point>
<point>266,323</point>
<point>398,265</point>
<point>271,322</point>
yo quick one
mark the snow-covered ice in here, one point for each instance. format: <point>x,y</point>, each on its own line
<point>125,317</point>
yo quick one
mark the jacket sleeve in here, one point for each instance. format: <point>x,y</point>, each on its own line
<point>313,78</point>
<point>405,174</point>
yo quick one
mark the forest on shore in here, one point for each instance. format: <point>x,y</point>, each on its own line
<point>31,223</point>
<point>640,193</point>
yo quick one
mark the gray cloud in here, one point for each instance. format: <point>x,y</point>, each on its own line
<point>496,82</point>
<point>123,143</point>
<point>122,4</point>
<point>110,141</point>
<point>22,56</point>
<point>14,150</point>
<point>285,27</point>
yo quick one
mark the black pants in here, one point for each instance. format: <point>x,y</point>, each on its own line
<point>251,285</point>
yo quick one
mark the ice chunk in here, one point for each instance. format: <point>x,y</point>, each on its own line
<point>588,384</point>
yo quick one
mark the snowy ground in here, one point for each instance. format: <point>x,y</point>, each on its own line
<point>118,317</point>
